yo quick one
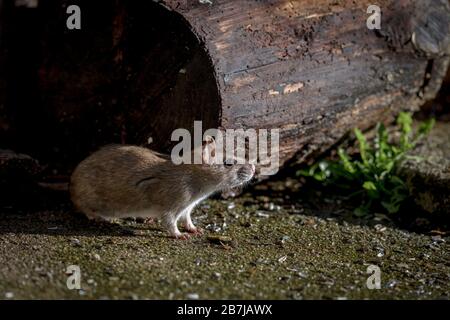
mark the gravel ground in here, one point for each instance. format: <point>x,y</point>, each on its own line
<point>295,244</point>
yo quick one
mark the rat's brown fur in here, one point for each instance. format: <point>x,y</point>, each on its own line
<point>128,181</point>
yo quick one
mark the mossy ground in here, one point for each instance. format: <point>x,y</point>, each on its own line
<point>287,243</point>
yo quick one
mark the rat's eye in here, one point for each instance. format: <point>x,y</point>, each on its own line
<point>229,162</point>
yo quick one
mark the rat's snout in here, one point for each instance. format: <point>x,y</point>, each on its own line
<point>246,172</point>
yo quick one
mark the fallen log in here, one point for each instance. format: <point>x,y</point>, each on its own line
<point>139,68</point>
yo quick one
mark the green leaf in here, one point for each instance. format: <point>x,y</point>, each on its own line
<point>404,119</point>
<point>346,161</point>
<point>391,207</point>
<point>426,126</point>
<point>382,147</point>
<point>363,146</point>
<point>398,181</point>
<point>371,175</point>
<point>369,185</point>
<point>317,171</point>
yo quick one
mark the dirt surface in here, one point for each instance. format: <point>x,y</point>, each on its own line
<point>296,244</point>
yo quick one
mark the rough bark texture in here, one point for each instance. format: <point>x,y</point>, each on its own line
<point>313,69</point>
<point>140,68</point>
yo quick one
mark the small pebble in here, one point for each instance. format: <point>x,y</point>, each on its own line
<point>9,295</point>
<point>193,296</point>
<point>219,239</point>
<point>437,239</point>
<point>76,242</point>
<point>392,283</point>
<point>262,214</point>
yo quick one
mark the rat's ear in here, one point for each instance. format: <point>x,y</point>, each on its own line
<point>209,150</point>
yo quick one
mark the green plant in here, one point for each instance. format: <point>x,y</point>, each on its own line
<point>372,173</point>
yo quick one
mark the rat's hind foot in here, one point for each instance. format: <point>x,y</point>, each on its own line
<point>194,230</point>
<point>189,226</point>
<point>170,224</point>
<point>181,236</point>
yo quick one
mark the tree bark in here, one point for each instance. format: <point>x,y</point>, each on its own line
<point>140,69</point>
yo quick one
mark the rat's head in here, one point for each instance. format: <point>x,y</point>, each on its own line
<point>229,174</point>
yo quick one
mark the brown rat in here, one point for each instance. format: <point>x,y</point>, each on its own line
<point>121,181</point>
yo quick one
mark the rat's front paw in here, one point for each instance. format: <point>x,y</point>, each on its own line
<point>195,230</point>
